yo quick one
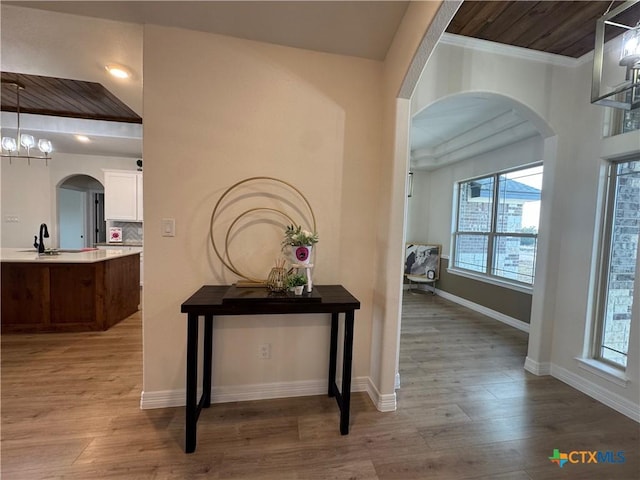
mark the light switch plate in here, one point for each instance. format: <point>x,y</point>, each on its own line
<point>168,227</point>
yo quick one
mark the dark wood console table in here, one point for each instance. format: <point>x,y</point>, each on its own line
<point>209,301</point>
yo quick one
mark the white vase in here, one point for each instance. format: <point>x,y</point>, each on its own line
<point>300,254</point>
<point>298,289</point>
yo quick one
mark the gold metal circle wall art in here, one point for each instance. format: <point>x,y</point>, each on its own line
<point>231,265</point>
<point>223,255</point>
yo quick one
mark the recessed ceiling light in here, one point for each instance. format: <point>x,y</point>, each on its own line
<point>83,138</point>
<point>118,71</point>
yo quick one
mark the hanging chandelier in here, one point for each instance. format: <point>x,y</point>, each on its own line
<point>24,145</point>
<point>625,95</point>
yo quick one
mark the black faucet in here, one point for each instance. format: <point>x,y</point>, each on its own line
<point>44,233</point>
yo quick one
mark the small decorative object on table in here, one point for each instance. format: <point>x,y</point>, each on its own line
<point>297,281</point>
<point>299,242</point>
<point>277,281</point>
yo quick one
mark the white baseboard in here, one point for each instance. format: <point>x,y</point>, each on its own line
<point>537,368</point>
<point>239,393</point>
<point>501,317</point>
<point>384,403</point>
<point>612,400</point>
<point>164,399</point>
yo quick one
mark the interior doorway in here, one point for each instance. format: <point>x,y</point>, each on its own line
<point>80,212</point>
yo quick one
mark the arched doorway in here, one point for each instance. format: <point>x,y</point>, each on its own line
<point>467,135</point>
<point>80,212</point>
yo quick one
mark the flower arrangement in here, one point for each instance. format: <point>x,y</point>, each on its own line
<point>295,235</point>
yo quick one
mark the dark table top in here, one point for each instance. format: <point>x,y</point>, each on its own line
<point>210,299</point>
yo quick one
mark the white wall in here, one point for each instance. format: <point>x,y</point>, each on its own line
<point>580,183</point>
<point>247,109</point>
<point>29,192</point>
<point>560,96</point>
<point>25,195</point>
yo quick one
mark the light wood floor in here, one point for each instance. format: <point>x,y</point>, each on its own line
<point>466,410</point>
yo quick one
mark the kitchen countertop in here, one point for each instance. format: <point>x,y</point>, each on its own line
<point>24,255</point>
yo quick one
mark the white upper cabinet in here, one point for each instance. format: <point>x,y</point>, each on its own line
<point>123,195</point>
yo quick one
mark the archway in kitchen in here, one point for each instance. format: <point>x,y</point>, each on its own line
<point>80,201</point>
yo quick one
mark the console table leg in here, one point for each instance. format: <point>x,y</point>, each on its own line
<point>192,380</point>
<point>333,353</point>
<point>346,372</point>
<point>207,360</point>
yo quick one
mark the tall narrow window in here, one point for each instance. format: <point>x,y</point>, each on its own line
<point>620,253</point>
<point>496,231</point>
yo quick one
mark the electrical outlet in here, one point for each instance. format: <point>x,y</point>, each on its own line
<point>264,352</point>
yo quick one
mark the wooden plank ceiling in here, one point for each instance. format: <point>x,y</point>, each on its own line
<point>563,28</point>
<point>63,98</point>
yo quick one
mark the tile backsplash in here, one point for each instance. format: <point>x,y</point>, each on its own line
<point>131,231</point>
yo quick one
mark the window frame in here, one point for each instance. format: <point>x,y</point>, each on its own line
<point>492,235</point>
<point>603,271</point>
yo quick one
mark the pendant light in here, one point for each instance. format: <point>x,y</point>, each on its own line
<point>24,145</point>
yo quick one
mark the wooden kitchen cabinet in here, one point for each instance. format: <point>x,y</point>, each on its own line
<point>52,295</point>
<point>123,195</point>
<point>127,248</point>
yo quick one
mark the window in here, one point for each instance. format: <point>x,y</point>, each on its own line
<point>496,232</point>
<point>620,121</point>
<point>621,230</point>
<point>631,118</point>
